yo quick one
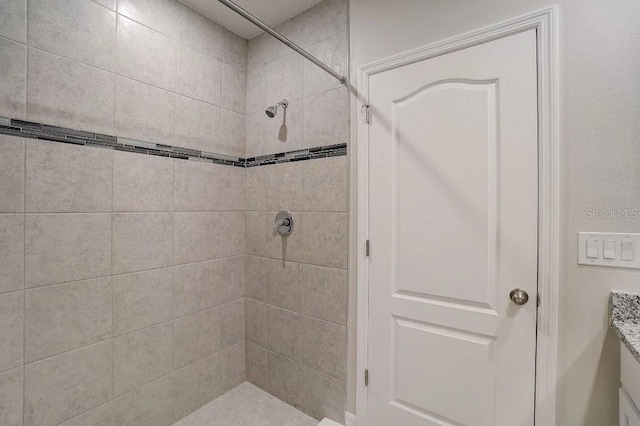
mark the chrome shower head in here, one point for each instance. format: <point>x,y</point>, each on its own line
<point>273,109</point>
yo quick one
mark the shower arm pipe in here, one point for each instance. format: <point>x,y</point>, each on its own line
<point>249,17</point>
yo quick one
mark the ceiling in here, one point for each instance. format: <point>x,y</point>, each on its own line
<point>272,12</point>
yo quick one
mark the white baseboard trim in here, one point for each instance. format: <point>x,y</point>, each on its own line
<point>350,419</point>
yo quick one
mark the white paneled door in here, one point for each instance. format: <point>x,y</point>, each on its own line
<point>453,193</point>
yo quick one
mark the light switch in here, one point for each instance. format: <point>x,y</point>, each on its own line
<point>627,252</point>
<point>609,249</point>
<point>592,249</point>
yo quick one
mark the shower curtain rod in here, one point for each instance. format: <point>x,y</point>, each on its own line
<point>249,17</point>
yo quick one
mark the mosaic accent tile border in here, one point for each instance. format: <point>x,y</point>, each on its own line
<point>27,129</point>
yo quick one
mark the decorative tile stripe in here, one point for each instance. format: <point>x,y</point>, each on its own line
<point>27,129</point>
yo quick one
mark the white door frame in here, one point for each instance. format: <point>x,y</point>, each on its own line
<point>545,23</point>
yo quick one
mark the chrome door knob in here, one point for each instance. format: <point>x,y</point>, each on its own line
<point>519,297</point>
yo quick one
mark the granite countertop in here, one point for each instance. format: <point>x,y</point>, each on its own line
<point>624,314</point>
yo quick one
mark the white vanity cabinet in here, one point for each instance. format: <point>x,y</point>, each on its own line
<point>630,388</point>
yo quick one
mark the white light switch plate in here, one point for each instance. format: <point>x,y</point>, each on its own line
<point>620,241</point>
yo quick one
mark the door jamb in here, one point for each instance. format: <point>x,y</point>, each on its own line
<point>544,21</point>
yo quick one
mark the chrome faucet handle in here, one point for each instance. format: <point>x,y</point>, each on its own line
<point>283,224</point>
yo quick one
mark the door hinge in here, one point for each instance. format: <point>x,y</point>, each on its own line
<point>367,248</point>
<point>366,377</point>
<point>367,114</point>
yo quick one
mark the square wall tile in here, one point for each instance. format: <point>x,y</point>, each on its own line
<point>325,239</point>
<point>102,415</point>
<point>65,178</point>
<point>12,152</point>
<point>11,332</point>
<point>322,21</point>
<point>256,189</point>
<point>255,285</point>
<point>324,346</point>
<point>325,185</point>
<point>284,332</point>
<point>142,356</point>
<point>65,385</point>
<point>199,75</point>
<point>326,118</point>
<point>150,405</point>
<point>231,323</point>
<point>197,124</point>
<point>144,112</point>
<point>285,287</point>
<point>195,186</point>
<point>13,78</point>
<point>284,78</point>
<point>255,228</point>
<point>161,15</point>
<point>196,385</point>
<point>197,287</point>
<point>255,321</point>
<point>66,247</point>
<point>196,336</point>
<point>255,131</point>
<point>142,241</point>
<point>199,32</point>
<point>325,293</point>
<point>284,186</point>
<point>11,392</point>
<point>65,93</point>
<point>232,233</point>
<point>333,52</point>
<point>12,249</point>
<point>196,237</point>
<point>235,50</point>
<point>232,136</point>
<point>62,317</point>
<point>13,20</point>
<point>256,365</point>
<point>232,272</point>
<point>234,89</point>
<point>76,29</point>
<point>233,366</point>
<point>322,395</point>
<point>284,379</point>
<point>142,183</point>
<point>146,55</point>
<point>142,299</point>
<point>257,87</point>
<point>232,188</point>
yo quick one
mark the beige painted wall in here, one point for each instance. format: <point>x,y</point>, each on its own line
<point>600,160</point>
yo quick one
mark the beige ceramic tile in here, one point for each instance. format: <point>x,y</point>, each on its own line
<point>232,188</point>
<point>197,287</point>
<point>196,237</point>
<point>63,178</point>
<point>12,174</point>
<point>324,346</point>
<point>284,379</point>
<point>197,384</point>
<point>66,247</point>
<point>284,186</point>
<point>142,183</point>
<point>232,233</point>
<point>325,239</point>
<point>323,395</point>
<point>13,83</point>
<point>11,397</point>
<point>196,336</point>
<point>65,385</point>
<point>195,187</point>
<point>76,29</point>
<point>325,187</point>
<point>142,299</point>
<point>233,134</point>
<point>234,89</point>
<point>284,332</point>
<point>235,50</point>
<point>11,332</point>
<point>199,75</point>
<point>142,241</point>
<point>232,276</point>
<point>256,364</point>
<point>142,356</point>
<point>62,317</point>
<point>161,15</point>
<point>285,287</point>
<point>284,78</point>
<point>255,228</point>
<point>232,323</point>
<point>198,124</point>
<point>102,415</point>
<point>65,93</point>
<point>333,52</point>
<point>233,366</point>
<point>325,293</point>
<point>13,20</point>
<point>326,118</point>
<point>256,278</point>
<point>255,321</point>
<point>285,247</point>
<point>256,189</point>
<point>150,405</point>
<point>199,32</point>
<point>12,249</point>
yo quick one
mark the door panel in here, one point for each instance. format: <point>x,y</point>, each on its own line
<point>453,223</point>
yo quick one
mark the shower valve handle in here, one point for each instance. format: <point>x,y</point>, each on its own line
<point>283,224</point>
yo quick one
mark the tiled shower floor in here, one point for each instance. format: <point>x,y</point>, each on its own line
<point>247,405</point>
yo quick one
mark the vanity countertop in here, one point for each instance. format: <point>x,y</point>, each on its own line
<point>624,314</point>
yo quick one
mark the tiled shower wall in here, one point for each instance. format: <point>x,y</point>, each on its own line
<point>296,287</point>
<point>121,275</point>
<point>154,70</point>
